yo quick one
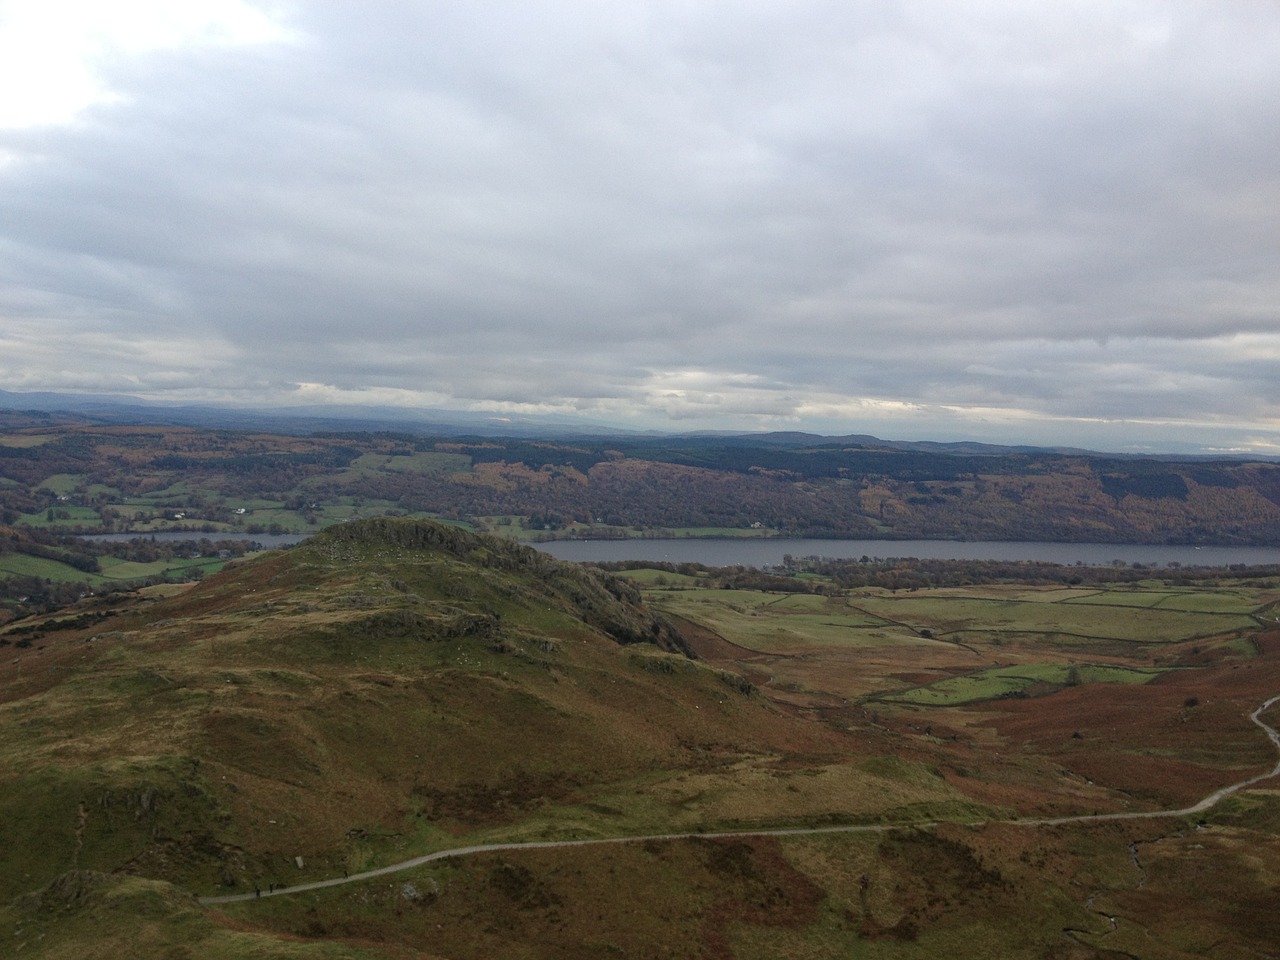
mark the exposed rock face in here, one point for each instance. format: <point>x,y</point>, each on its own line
<point>607,603</point>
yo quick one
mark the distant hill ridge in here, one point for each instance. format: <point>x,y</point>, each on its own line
<point>82,478</point>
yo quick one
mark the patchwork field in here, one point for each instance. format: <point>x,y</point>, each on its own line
<point>1123,679</point>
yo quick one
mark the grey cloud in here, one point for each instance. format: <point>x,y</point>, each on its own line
<point>1043,210</point>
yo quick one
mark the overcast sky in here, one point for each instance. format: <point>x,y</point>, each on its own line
<point>1010,221</point>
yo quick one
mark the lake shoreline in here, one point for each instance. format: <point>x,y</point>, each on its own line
<point>765,552</point>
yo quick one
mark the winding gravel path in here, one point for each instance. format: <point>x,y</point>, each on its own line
<point>1200,807</point>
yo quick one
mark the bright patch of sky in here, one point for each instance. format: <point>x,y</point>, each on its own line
<point>56,55</point>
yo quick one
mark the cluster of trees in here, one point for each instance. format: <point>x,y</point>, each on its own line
<point>23,595</point>
<point>908,574</point>
<point>630,493</point>
<point>724,578</point>
<point>47,545</point>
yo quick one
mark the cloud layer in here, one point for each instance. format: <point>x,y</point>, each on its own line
<point>997,220</point>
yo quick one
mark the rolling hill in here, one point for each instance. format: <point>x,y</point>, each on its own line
<point>394,688</point>
<point>388,688</point>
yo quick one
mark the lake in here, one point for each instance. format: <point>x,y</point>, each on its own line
<point>768,552</point>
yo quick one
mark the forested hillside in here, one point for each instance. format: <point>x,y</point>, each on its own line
<point>71,476</point>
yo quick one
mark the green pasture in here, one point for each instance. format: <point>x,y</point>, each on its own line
<point>1122,598</point>
<point>763,622</point>
<point>364,464</point>
<point>178,496</point>
<point>123,570</point>
<point>113,570</point>
<point>24,565</point>
<point>76,517</point>
<point>291,521</point>
<point>790,602</point>
<point>1022,592</point>
<point>771,622</point>
<point>1092,620</point>
<point>425,462</point>
<point>252,503</point>
<point>1006,681</point>
<point>361,468</point>
<point>1211,601</point>
<point>25,441</point>
<point>660,579</point>
<point>195,526</point>
<point>116,569</point>
<point>175,491</point>
<point>62,483</point>
<point>1206,600</point>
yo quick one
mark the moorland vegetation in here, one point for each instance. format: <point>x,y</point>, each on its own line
<point>397,687</point>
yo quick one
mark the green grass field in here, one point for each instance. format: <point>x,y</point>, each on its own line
<point>423,462</point>
<point>75,517</point>
<point>1204,600</point>
<point>113,570</point>
<point>62,483</point>
<point>660,579</point>
<point>1092,618</point>
<point>25,441</point>
<point>1004,681</point>
<point>773,622</point>
<point>24,565</point>
<point>944,642</point>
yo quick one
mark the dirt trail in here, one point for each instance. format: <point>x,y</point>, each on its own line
<point>1200,807</point>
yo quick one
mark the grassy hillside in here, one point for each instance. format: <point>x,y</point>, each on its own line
<point>398,687</point>
<point>388,688</point>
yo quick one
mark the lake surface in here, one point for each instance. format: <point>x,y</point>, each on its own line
<point>764,552</point>
<point>768,552</point>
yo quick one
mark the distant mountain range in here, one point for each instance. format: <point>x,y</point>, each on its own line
<point>114,409</point>
<point>301,419</point>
